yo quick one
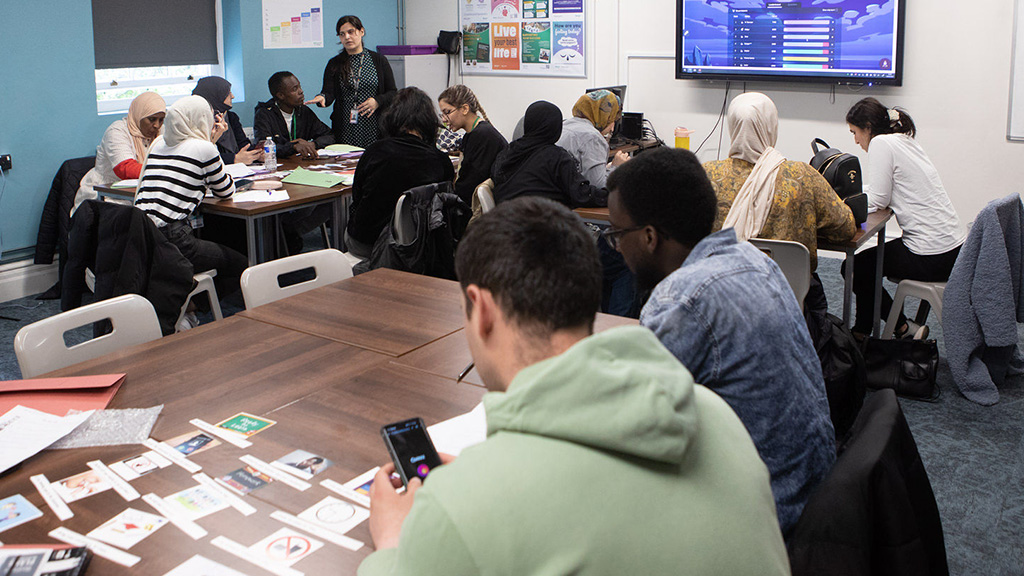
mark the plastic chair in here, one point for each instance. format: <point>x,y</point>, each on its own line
<point>794,260</point>
<point>40,346</point>
<point>485,195</point>
<point>261,284</point>
<point>204,283</point>
<point>405,228</point>
<point>930,294</point>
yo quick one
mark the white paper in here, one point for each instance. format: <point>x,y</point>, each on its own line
<point>286,547</point>
<point>193,530</point>
<point>199,565</point>
<point>260,196</point>
<point>307,526</point>
<point>25,432</point>
<point>119,484</point>
<point>138,466</point>
<point>456,434</point>
<point>228,545</point>
<point>335,515</point>
<point>293,24</point>
<point>225,435</point>
<point>128,528</point>
<point>98,548</point>
<point>132,183</point>
<point>50,496</point>
<point>235,502</point>
<point>239,170</point>
<point>172,455</point>
<point>274,473</point>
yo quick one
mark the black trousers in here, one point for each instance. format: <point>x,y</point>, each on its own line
<point>898,262</point>
<point>205,255</point>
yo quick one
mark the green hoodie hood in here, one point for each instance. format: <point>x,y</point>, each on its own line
<point>628,394</point>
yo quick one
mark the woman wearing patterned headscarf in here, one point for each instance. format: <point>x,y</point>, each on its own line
<point>123,148</point>
<point>586,134</point>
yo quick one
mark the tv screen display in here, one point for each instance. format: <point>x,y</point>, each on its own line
<point>833,41</point>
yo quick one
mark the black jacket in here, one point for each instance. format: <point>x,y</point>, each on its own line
<point>386,88</point>
<point>480,148</point>
<point>129,255</point>
<point>235,125</point>
<point>875,513</point>
<point>549,172</point>
<point>386,169</point>
<point>56,220</point>
<point>269,123</point>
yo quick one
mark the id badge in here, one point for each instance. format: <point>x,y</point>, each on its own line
<point>353,116</point>
<point>196,221</point>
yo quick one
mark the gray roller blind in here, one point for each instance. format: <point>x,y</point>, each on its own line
<point>136,33</point>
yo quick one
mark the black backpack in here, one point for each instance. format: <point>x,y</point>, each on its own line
<point>842,171</point>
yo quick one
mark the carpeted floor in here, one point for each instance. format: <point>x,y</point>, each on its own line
<point>974,454</point>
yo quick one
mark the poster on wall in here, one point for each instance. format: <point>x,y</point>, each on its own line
<point>293,24</point>
<point>523,37</point>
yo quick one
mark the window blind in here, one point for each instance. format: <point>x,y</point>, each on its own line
<point>138,33</point>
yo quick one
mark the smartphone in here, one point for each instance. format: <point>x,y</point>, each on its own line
<point>411,449</point>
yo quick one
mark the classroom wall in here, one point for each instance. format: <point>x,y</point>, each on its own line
<point>956,87</point>
<point>49,96</point>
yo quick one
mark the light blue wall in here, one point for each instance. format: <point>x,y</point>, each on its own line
<point>48,96</point>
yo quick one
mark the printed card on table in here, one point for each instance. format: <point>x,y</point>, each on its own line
<point>138,466</point>
<point>245,480</point>
<point>285,547</point>
<point>192,443</point>
<point>81,486</point>
<point>202,566</point>
<point>196,502</point>
<point>128,528</point>
<point>335,515</point>
<point>303,464</point>
<point>16,510</point>
<point>246,424</point>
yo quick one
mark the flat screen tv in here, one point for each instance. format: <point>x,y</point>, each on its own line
<point>829,41</point>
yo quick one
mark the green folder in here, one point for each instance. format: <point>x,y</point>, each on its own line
<point>305,177</point>
<point>343,148</point>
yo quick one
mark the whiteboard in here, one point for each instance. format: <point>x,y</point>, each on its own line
<point>1015,127</point>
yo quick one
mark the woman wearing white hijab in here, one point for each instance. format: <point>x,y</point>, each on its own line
<point>123,148</point>
<point>182,164</point>
<point>763,195</point>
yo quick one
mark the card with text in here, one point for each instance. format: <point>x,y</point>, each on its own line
<point>246,424</point>
<point>15,511</point>
<point>128,528</point>
<point>81,486</point>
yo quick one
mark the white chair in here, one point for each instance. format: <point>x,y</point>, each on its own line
<point>485,195</point>
<point>40,346</point>
<point>261,284</point>
<point>204,283</point>
<point>405,228</point>
<point>930,294</point>
<point>794,260</point>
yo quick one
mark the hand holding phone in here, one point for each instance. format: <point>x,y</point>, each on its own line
<point>410,448</point>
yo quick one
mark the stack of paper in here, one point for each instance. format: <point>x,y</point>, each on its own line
<point>24,432</point>
<point>239,170</point>
<point>260,196</point>
<point>343,148</point>
<point>304,177</point>
<point>126,184</point>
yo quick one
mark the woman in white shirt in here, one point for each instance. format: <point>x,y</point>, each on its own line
<point>901,177</point>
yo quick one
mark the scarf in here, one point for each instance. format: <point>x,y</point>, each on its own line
<point>601,107</point>
<point>754,127</point>
<point>215,90</point>
<point>143,106</point>
<point>189,117</point>
<point>542,126</point>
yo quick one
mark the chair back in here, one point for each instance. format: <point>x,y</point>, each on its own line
<point>485,195</point>
<point>40,346</point>
<point>794,260</point>
<point>261,284</point>
<point>405,227</point>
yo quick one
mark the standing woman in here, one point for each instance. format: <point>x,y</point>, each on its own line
<point>234,146</point>
<point>900,176</point>
<point>480,146</point>
<point>359,83</point>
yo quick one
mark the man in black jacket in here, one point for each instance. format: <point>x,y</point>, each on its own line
<point>295,128</point>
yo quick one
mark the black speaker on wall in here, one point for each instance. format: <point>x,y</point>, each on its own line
<point>632,125</point>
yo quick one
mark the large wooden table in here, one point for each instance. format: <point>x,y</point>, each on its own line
<point>330,366</point>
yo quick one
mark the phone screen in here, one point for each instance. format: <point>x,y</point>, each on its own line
<point>411,449</point>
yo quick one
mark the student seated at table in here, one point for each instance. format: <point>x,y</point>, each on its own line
<point>123,148</point>
<point>292,125</point>
<point>404,159</point>
<point>460,110</point>
<point>763,195</point>
<point>182,164</point>
<point>586,135</point>
<point>534,166</point>
<point>234,146</point>
<point>602,457</point>
<point>726,311</point>
<point>900,176</point>
<point>296,130</point>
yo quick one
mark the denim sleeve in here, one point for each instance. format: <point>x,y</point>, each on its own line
<point>686,333</point>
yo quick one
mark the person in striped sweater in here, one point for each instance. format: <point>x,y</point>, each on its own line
<point>180,167</point>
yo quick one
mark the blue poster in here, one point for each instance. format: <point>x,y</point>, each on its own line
<point>566,6</point>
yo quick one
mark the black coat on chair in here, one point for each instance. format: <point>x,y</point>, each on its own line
<point>55,223</point>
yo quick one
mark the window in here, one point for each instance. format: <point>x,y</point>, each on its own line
<point>117,87</point>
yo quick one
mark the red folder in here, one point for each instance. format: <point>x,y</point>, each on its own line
<point>58,395</point>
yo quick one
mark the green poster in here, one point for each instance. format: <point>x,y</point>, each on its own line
<point>476,42</point>
<point>536,39</point>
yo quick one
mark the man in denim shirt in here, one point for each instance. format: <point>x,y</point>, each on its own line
<point>726,311</point>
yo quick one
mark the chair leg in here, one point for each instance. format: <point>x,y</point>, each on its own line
<point>323,234</point>
<point>894,313</point>
<point>922,312</point>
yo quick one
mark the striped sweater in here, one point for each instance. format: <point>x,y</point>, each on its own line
<point>175,179</point>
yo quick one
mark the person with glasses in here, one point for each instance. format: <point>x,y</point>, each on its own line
<point>460,110</point>
<point>359,82</point>
<point>726,311</point>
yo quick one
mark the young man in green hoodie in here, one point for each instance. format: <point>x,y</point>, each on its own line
<point>602,456</point>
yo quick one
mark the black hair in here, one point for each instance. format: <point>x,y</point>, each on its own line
<point>411,111</point>
<point>871,114</point>
<point>346,59</point>
<point>669,190</point>
<point>538,260</point>
<point>276,82</point>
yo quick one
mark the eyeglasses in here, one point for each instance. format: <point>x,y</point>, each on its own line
<point>613,235</point>
<point>447,113</point>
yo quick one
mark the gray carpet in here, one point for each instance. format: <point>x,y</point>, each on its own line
<point>974,455</point>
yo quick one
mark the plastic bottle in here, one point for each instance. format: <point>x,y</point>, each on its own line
<point>269,155</point>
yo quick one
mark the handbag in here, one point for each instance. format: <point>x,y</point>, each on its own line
<point>449,42</point>
<point>906,366</point>
<point>840,169</point>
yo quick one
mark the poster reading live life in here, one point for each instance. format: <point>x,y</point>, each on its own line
<point>523,37</point>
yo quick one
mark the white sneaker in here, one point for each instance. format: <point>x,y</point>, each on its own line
<point>187,322</point>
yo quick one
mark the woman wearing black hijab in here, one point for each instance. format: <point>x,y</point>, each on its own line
<point>534,166</point>
<point>234,146</point>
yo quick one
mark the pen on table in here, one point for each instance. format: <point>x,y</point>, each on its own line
<point>464,372</point>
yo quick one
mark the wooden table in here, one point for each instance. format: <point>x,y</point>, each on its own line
<point>253,212</point>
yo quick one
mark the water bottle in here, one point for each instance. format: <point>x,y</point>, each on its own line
<point>269,155</point>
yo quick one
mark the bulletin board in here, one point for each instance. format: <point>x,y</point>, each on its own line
<point>523,37</point>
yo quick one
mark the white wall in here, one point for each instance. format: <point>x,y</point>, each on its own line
<point>955,85</point>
